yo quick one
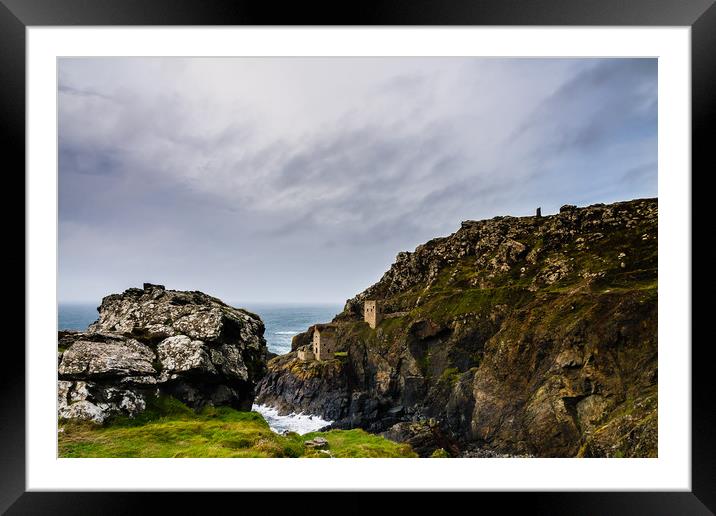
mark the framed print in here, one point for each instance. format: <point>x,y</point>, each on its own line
<point>443,248</point>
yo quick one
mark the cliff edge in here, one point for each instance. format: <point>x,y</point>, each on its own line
<point>514,335</point>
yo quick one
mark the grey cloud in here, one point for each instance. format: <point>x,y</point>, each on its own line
<point>81,92</point>
<point>605,101</point>
<point>635,176</point>
<point>206,174</point>
<point>91,161</point>
<point>375,165</point>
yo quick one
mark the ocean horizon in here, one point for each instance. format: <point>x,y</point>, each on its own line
<point>282,320</point>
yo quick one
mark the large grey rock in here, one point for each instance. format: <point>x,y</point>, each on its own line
<point>96,355</point>
<point>181,354</point>
<point>155,341</point>
<point>154,313</point>
<point>96,402</point>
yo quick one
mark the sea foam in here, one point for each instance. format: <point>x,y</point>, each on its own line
<point>299,423</point>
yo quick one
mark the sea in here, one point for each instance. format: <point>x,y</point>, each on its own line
<point>282,322</point>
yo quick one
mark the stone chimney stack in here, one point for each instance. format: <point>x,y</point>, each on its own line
<point>371,313</point>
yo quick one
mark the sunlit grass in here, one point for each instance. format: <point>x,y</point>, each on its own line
<point>359,443</point>
<point>170,429</point>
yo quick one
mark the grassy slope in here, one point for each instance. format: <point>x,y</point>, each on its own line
<point>170,429</point>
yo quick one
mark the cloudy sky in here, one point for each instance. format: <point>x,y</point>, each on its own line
<point>299,179</point>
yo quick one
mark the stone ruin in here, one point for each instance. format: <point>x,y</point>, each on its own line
<point>372,313</point>
<point>323,344</point>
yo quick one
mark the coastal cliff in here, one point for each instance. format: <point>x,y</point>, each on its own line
<point>514,335</point>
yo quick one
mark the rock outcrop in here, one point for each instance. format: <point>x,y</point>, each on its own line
<point>523,336</point>
<point>424,437</point>
<point>313,387</point>
<point>154,341</point>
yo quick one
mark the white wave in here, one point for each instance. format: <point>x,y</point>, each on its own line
<point>285,332</point>
<point>299,423</point>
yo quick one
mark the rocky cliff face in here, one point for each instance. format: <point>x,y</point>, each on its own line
<point>526,336</point>
<point>152,340</point>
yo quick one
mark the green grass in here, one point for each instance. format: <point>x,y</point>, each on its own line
<point>359,443</point>
<point>170,429</point>
<point>392,325</point>
<point>445,305</point>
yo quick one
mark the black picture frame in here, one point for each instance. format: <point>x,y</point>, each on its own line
<point>16,15</point>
